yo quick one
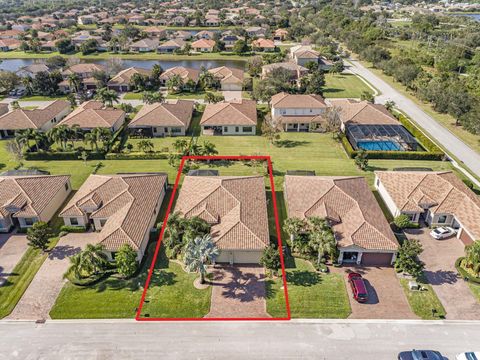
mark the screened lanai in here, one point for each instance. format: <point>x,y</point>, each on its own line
<point>381,138</point>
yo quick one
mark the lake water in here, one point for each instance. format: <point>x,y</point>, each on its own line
<point>16,64</point>
<point>473,16</point>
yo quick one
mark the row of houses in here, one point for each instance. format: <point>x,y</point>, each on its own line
<point>123,208</point>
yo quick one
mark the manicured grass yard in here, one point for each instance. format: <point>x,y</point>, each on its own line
<point>344,86</point>
<point>42,98</point>
<point>311,294</point>
<point>133,96</point>
<point>422,302</point>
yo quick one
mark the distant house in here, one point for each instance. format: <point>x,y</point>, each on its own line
<point>296,71</point>
<point>171,46</point>
<point>263,44</point>
<point>42,119</point>
<point>122,81</point>
<point>121,208</point>
<point>212,20</point>
<point>155,31</point>
<point>181,34</point>
<point>203,45</point>
<point>25,200</point>
<point>363,235</point>
<point>93,114</point>
<point>303,54</point>
<point>185,74</point>
<point>280,34</point>
<point>229,40</point>
<point>10,34</point>
<point>161,119</point>
<point>86,19</point>
<point>231,79</point>
<point>32,70</point>
<point>144,45</point>
<point>255,31</point>
<point>85,72</point>
<point>9,44</point>
<point>298,112</point>
<point>205,34</point>
<point>237,117</point>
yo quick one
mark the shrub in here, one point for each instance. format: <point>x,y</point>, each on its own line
<point>73,229</point>
<point>464,273</point>
<point>271,258</point>
<point>136,156</point>
<point>61,155</point>
<point>402,221</point>
<point>126,260</point>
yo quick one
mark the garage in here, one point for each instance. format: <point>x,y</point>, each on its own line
<point>463,235</point>
<point>239,257</point>
<point>374,259</point>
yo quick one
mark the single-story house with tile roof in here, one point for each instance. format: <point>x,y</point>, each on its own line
<point>121,82</point>
<point>42,119</point>
<point>203,45</point>
<point>205,34</point>
<point>155,31</point>
<point>85,71</point>
<point>231,79</point>
<point>363,234</point>
<point>93,114</point>
<point>171,46</point>
<point>122,208</point>
<point>436,198</point>
<point>263,44</point>
<point>9,44</point>
<point>144,45</point>
<point>32,70</point>
<point>296,71</point>
<point>185,74</point>
<point>298,112</point>
<point>236,117</point>
<point>280,34</point>
<point>235,207</point>
<point>24,200</point>
<point>160,119</point>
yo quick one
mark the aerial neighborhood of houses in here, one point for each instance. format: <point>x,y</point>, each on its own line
<point>99,133</point>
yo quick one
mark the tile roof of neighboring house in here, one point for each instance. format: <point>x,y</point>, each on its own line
<point>263,43</point>
<point>83,68</point>
<point>234,205</point>
<point>304,52</point>
<point>20,119</point>
<point>124,76</point>
<point>3,108</point>
<point>184,73</point>
<point>203,44</point>
<point>175,113</point>
<point>128,201</point>
<point>281,32</point>
<point>227,75</point>
<point>28,196</point>
<point>92,114</point>
<point>300,119</point>
<point>10,43</point>
<point>152,30</point>
<point>172,43</point>
<point>441,192</point>
<point>348,203</point>
<point>34,68</point>
<point>284,100</point>
<point>363,113</point>
<point>284,65</point>
<point>235,112</point>
<point>146,43</point>
<point>205,33</point>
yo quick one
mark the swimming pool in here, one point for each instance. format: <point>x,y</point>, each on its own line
<point>384,145</point>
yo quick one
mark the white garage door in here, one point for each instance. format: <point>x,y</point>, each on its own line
<point>239,257</point>
<point>231,87</point>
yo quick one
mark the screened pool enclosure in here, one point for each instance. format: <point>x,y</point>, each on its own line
<point>381,138</point>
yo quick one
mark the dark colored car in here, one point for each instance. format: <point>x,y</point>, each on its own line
<point>359,289</point>
<point>420,355</point>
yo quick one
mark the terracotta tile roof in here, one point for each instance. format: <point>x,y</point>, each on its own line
<point>234,205</point>
<point>441,192</point>
<point>235,112</point>
<point>284,100</point>
<point>173,43</point>
<point>300,119</point>
<point>28,196</point>
<point>128,201</point>
<point>227,75</point>
<point>92,114</point>
<point>363,113</point>
<point>263,43</point>
<point>175,113</point>
<point>124,76</point>
<point>203,44</point>
<point>20,119</point>
<point>348,203</point>
<point>83,68</point>
<point>145,43</point>
<point>284,65</point>
<point>184,73</point>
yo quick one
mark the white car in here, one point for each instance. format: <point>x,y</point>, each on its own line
<point>468,356</point>
<point>442,232</point>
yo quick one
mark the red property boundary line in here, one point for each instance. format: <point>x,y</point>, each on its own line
<point>160,238</point>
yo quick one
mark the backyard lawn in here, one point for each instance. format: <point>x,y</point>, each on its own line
<point>344,86</point>
<point>310,294</point>
<point>422,302</point>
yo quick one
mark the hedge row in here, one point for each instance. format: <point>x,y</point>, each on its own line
<point>137,156</point>
<point>62,155</point>
<point>73,229</point>
<point>464,273</point>
<point>428,145</point>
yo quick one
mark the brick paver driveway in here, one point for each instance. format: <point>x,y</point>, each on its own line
<point>238,292</point>
<point>386,297</point>
<point>12,248</point>
<point>42,292</point>
<point>439,257</point>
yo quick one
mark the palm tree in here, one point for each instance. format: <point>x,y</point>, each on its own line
<point>75,267</point>
<point>472,256</point>
<point>27,82</point>
<point>175,83</point>
<point>145,145</point>
<point>94,259</point>
<point>152,97</point>
<point>59,135</point>
<point>21,139</point>
<point>90,139</point>
<point>75,132</point>
<point>210,97</point>
<point>208,80</point>
<point>107,97</point>
<point>74,81</point>
<point>198,252</point>
<point>181,145</point>
<point>194,227</point>
<point>293,227</point>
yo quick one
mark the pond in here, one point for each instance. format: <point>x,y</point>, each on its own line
<point>16,64</point>
<point>473,16</point>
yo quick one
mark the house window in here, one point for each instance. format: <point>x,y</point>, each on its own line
<point>176,130</point>
<point>66,186</point>
<point>154,129</point>
<point>284,112</point>
<point>247,129</point>
<point>225,129</point>
<point>442,219</point>
<point>29,221</point>
<point>237,129</point>
<point>73,221</point>
<point>165,129</point>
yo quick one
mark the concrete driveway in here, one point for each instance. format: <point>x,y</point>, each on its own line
<point>386,297</point>
<point>42,292</point>
<point>12,248</point>
<point>439,257</point>
<point>238,292</point>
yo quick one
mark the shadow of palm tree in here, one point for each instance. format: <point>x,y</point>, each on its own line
<point>63,251</point>
<point>441,277</point>
<point>291,143</point>
<point>243,286</point>
<point>270,291</point>
<point>303,278</point>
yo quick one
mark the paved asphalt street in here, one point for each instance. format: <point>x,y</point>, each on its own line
<point>345,339</point>
<point>442,135</point>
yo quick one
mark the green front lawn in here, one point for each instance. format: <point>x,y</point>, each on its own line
<point>42,98</point>
<point>344,86</point>
<point>133,96</point>
<point>422,302</point>
<point>310,294</point>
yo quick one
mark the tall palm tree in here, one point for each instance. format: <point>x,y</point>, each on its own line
<point>59,135</point>
<point>198,252</point>
<point>152,97</point>
<point>21,138</point>
<point>107,97</point>
<point>94,259</point>
<point>293,227</point>
<point>75,268</point>
<point>74,81</point>
<point>75,133</point>
<point>472,256</point>
<point>27,82</point>
<point>90,139</point>
<point>195,226</point>
<point>175,83</point>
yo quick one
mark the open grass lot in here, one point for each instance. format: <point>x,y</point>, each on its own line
<point>344,86</point>
<point>311,294</point>
<point>422,302</point>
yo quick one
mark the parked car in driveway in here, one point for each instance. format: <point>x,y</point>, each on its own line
<point>442,232</point>
<point>420,355</point>
<point>359,288</point>
<point>468,356</point>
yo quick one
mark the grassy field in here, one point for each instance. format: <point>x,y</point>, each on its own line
<point>344,86</point>
<point>311,295</point>
<point>422,302</point>
<point>42,98</point>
